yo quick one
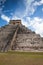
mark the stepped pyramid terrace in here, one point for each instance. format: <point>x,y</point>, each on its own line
<point>15,36</point>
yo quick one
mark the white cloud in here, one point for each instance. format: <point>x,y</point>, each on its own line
<point>25,23</point>
<point>4,17</point>
<point>15,18</point>
<point>37,24</point>
<point>29,8</point>
<point>38,3</point>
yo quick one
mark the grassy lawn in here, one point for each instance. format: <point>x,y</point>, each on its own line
<point>21,58</point>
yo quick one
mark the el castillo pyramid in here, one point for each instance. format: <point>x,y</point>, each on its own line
<point>17,37</point>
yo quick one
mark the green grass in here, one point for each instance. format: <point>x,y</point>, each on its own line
<point>21,58</point>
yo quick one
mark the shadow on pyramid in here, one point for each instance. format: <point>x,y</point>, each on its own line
<point>17,37</point>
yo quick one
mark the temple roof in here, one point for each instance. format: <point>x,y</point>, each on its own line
<point>15,21</point>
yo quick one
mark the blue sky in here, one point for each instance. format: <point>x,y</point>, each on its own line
<point>29,11</point>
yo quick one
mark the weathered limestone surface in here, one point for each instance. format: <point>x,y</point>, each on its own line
<point>29,42</point>
<point>19,38</point>
<point>6,35</point>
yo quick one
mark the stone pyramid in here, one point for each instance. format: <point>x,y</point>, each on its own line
<point>17,37</point>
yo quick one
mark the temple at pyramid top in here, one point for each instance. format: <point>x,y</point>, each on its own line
<point>15,21</point>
